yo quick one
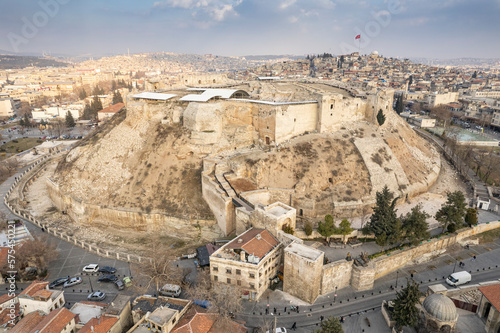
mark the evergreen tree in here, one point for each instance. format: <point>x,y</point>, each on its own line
<point>474,75</point>
<point>83,94</point>
<point>95,106</point>
<point>117,97</point>
<point>400,104</point>
<point>414,225</point>
<point>452,212</point>
<point>471,216</point>
<point>86,112</point>
<point>384,222</point>
<point>330,325</point>
<point>27,122</point>
<point>70,121</point>
<point>405,311</point>
<point>410,80</point>
<point>328,228</point>
<point>380,117</point>
<point>113,85</point>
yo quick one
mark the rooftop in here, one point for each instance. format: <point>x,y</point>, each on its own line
<point>492,293</point>
<point>113,108</point>
<point>153,96</point>
<point>303,251</point>
<point>99,325</point>
<point>34,287</point>
<point>162,315</point>
<point>196,320</point>
<point>29,322</point>
<point>55,321</point>
<point>208,94</point>
<point>87,311</point>
<point>256,242</point>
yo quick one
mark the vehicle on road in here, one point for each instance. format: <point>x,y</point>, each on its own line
<point>458,278</point>
<point>119,285</point>
<point>170,290</point>
<point>72,282</point>
<point>96,296</point>
<point>108,278</point>
<point>92,268</point>
<point>127,280</point>
<point>107,270</point>
<point>58,282</point>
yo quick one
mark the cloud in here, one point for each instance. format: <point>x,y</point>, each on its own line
<point>217,10</point>
<point>287,3</point>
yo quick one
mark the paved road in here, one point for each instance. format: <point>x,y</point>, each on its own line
<point>362,304</point>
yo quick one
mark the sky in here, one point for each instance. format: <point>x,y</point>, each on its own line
<point>395,28</point>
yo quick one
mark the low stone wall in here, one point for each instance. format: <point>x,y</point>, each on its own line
<point>425,251</point>
<point>33,169</point>
<point>336,275</point>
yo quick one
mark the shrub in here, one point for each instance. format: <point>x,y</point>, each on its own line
<point>288,229</point>
<point>308,229</point>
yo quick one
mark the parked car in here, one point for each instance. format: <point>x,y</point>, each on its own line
<point>92,268</point>
<point>58,282</point>
<point>72,282</point>
<point>458,278</point>
<point>108,278</point>
<point>170,290</point>
<point>107,270</point>
<point>278,330</point>
<point>96,296</point>
<point>119,285</point>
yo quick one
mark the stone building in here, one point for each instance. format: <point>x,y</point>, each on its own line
<point>438,314</point>
<point>489,307</point>
<point>303,271</point>
<point>249,262</point>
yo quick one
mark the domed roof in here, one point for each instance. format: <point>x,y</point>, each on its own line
<point>440,307</point>
<point>375,53</point>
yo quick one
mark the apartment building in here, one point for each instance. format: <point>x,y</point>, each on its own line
<point>249,262</point>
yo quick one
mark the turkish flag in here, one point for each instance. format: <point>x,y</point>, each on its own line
<point>358,37</point>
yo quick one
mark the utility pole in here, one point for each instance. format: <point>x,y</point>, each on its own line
<point>275,320</point>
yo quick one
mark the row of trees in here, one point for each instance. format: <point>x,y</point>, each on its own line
<point>390,229</point>
<point>328,228</point>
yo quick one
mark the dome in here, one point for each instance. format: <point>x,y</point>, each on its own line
<point>375,53</point>
<point>440,307</point>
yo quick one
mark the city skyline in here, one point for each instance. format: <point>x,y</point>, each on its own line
<point>448,29</point>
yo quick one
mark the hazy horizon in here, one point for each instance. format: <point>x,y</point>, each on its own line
<point>405,29</point>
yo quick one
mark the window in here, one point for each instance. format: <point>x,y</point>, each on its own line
<point>228,281</point>
<point>228,270</point>
<point>238,282</point>
<point>216,278</point>
<point>331,106</point>
<point>252,285</point>
<point>215,268</point>
<point>252,275</point>
<point>238,272</point>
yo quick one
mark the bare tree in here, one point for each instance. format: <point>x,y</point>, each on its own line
<point>441,112</point>
<point>57,127</point>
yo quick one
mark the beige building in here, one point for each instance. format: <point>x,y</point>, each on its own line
<point>489,307</point>
<point>247,262</point>
<point>446,98</point>
<point>38,297</point>
<point>6,108</point>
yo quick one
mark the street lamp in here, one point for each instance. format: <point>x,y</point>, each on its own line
<point>455,266</point>
<point>397,276</point>
<point>335,295</point>
<point>91,289</point>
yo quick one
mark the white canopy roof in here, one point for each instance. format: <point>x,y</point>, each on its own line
<point>154,96</point>
<point>208,94</point>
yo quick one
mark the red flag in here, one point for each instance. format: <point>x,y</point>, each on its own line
<point>358,37</point>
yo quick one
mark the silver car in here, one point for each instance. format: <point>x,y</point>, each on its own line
<point>96,296</point>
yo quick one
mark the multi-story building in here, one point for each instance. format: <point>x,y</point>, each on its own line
<point>248,262</point>
<point>38,297</point>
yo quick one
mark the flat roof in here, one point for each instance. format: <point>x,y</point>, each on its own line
<point>270,102</point>
<point>87,311</point>
<point>154,96</point>
<point>208,94</point>
<point>304,251</point>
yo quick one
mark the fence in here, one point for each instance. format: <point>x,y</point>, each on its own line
<point>30,171</point>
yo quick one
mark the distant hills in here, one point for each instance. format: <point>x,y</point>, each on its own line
<point>18,62</point>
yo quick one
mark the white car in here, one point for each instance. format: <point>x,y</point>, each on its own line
<point>92,268</point>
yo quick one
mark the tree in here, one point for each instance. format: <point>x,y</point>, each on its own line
<point>405,311</point>
<point>95,106</point>
<point>70,121</point>
<point>441,112</point>
<point>452,212</point>
<point>471,216</point>
<point>400,104</point>
<point>57,127</point>
<point>474,75</point>
<point>82,94</point>
<point>160,269</point>
<point>410,80</point>
<point>25,108</point>
<point>327,228</point>
<point>330,325</point>
<point>384,222</point>
<point>380,117</point>
<point>344,229</point>
<point>86,112</point>
<point>414,225</point>
<point>117,97</point>
<point>415,107</point>
<point>308,228</point>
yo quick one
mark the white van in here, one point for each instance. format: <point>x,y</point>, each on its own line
<point>170,290</point>
<point>458,278</point>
